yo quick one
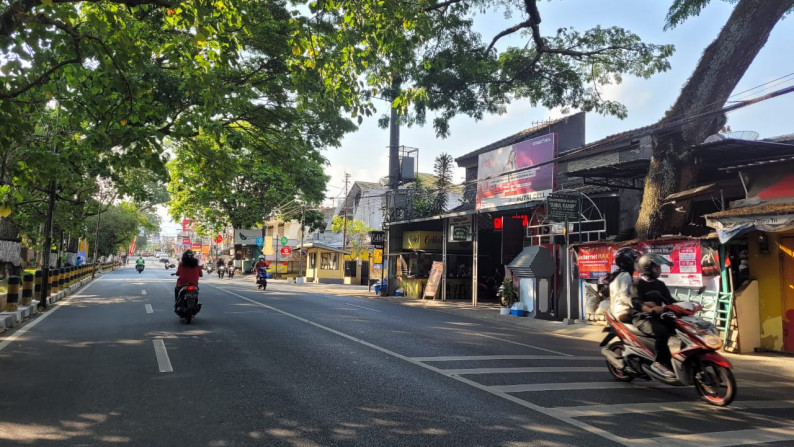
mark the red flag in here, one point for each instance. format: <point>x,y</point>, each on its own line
<point>132,246</point>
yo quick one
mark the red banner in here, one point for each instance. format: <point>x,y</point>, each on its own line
<point>685,256</point>
<point>132,246</point>
<point>596,261</point>
<point>186,225</point>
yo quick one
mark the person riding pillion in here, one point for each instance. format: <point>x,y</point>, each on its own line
<point>621,284</point>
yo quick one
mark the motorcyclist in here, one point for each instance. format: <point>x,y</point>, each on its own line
<point>230,268</point>
<point>220,263</point>
<point>187,272</point>
<point>649,316</point>
<point>621,284</point>
<point>140,261</point>
<point>261,264</point>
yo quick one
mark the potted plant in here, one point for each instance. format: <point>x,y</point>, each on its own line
<point>507,293</point>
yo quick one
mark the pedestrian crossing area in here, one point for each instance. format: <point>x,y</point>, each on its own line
<point>579,390</point>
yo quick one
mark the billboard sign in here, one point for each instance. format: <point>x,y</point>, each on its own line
<point>506,176</point>
<point>247,236</point>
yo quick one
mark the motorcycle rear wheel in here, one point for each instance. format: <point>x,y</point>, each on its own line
<point>188,318</point>
<point>715,384</point>
<point>617,348</point>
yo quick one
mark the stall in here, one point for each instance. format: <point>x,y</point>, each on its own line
<point>324,264</point>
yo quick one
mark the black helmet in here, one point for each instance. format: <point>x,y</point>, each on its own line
<point>650,264</point>
<point>626,257</point>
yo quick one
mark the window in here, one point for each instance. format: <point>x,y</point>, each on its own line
<point>313,260</point>
<point>328,261</point>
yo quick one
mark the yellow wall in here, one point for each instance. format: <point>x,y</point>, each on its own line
<point>337,274</point>
<point>765,267</point>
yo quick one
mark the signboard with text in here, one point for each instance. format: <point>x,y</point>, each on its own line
<point>596,261</point>
<point>460,229</point>
<point>685,256</point>
<point>506,175</point>
<point>562,207</point>
<point>434,280</point>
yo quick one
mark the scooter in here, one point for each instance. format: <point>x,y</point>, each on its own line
<point>221,271</point>
<point>261,279</point>
<point>696,361</point>
<point>230,272</point>
<point>186,304</point>
<point>139,268</point>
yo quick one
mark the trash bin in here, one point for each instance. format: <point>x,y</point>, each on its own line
<point>380,285</point>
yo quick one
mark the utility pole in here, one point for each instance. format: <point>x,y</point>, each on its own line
<point>45,258</point>
<point>344,209</point>
<point>299,279</point>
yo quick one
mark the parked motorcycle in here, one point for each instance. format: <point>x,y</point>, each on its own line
<point>221,271</point>
<point>261,279</point>
<point>139,268</point>
<point>696,361</point>
<point>186,304</point>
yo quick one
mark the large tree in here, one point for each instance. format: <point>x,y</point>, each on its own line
<point>429,49</point>
<point>696,113</point>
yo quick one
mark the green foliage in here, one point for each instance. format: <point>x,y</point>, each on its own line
<point>118,224</point>
<point>357,234</point>
<point>508,292</point>
<point>426,57</point>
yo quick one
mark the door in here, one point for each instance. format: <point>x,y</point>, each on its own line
<point>787,292</point>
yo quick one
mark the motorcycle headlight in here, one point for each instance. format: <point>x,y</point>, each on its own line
<point>712,342</point>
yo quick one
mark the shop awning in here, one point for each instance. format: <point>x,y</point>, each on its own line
<point>768,217</point>
<point>534,261</point>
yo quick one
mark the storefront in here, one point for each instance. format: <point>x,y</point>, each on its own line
<point>324,264</point>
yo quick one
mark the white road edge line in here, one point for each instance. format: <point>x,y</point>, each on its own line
<point>162,356</point>
<point>543,410</point>
<point>149,309</point>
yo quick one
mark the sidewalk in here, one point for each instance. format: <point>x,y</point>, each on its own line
<point>780,365</point>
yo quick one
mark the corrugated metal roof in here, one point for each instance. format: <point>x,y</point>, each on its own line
<point>757,210</point>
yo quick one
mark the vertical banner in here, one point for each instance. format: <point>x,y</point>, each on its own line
<point>132,246</point>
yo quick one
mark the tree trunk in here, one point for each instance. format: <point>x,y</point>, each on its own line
<point>696,113</point>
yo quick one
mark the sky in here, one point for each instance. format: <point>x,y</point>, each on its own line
<point>364,154</point>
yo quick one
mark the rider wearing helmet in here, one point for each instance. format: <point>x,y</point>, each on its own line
<point>621,284</point>
<point>260,264</point>
<point>188,271</point>
<point>649,315</point>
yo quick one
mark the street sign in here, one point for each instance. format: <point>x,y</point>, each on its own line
<point>218,239</point>
<point>260,241</point>
<point>286,251</point>
<point>562,207</point>
<point>377,238</point>
<point>284,240</point>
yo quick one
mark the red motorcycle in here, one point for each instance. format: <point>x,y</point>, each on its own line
<point>695,362</point>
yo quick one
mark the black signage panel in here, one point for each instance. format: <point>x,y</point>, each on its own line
<point>562,207</point>
<point>377,238</point>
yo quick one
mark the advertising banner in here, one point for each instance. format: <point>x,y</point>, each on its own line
<point>596,261</point>
<point>247,236</point>
<point>505,176</point>
<point>685,256</point>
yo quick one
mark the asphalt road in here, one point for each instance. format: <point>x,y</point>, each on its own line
<point>292,366</point>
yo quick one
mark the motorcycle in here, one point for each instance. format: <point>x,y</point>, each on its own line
<point>139,268</point>
<point>186,304</point>
<point>696,362</point>
<point>230,272</point>
<point>221,271</point>
<point>261,279</point>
